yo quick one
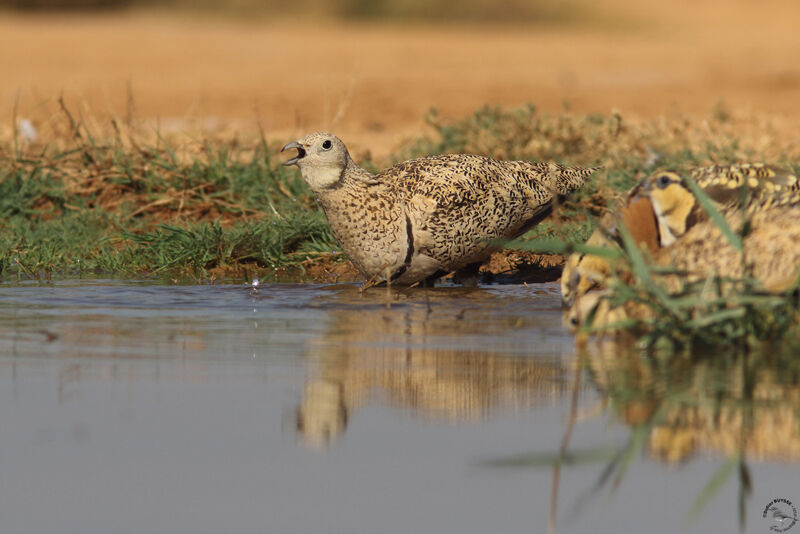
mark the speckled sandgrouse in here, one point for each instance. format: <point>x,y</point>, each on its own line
<point>423,218</point>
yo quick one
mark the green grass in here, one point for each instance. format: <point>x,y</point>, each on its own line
<point>131,210</point>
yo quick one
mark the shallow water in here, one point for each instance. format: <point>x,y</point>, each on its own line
<point>133,407</point>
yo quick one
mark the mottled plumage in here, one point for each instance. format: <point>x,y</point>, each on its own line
<point>752,186</point>
<point>771,248</point>
<point>664,198</point>
<point>767,217</point>
<point>426,217</point>
<point>771,256</point>
<point>584,272</point>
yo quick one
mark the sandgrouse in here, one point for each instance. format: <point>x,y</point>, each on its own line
<point>661,209</point>
<point>426,217</point>
<point>752,186</point>
<point>759,202</point>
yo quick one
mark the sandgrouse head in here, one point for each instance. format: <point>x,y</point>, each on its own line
<point>675,207</point>
<point>321,157</point>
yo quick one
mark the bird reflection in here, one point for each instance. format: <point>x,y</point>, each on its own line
<point>743,405</point>
<point>451,354</point>
<point>728,403</point>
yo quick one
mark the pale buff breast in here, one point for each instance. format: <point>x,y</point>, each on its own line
<point>372,231</point>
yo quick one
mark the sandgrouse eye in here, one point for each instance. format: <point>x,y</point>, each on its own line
<point>663,181</point>
<point>327,144</point>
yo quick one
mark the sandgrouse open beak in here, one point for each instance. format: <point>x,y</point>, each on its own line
<point>301,152</point>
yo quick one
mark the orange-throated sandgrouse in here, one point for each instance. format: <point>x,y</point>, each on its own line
<point>760,204</point>
<point>662,208</point>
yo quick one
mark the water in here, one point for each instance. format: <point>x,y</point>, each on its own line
<point>133,407</point>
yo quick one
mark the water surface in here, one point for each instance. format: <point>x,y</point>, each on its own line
<point>135,407</point>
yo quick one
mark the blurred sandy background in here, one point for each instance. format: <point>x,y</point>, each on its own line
<point>371,70</point>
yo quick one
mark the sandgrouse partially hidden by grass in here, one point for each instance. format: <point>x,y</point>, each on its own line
<point>423,218</point>
<point>662,209</point>
<point>754,187</point>
<point>760,203</point>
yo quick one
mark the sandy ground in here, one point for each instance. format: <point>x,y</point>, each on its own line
<point>373,84</point>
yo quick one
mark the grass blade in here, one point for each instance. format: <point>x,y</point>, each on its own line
<point>719,220</point>
<point>710,489</point>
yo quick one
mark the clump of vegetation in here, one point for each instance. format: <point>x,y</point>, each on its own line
<point>670,310</point>
<point>703,315</point>
<point>115,206</point>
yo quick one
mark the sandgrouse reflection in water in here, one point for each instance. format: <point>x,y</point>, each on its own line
<point>424,359</point>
